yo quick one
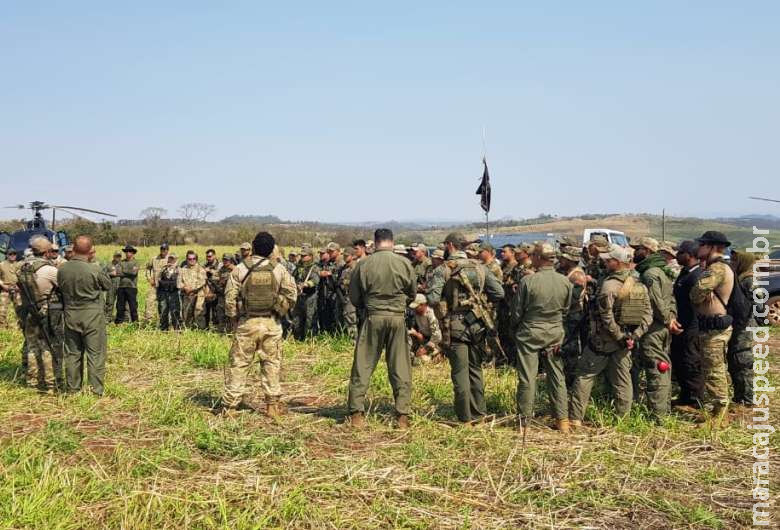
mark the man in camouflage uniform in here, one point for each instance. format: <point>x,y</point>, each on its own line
<point>307,278</point>
<point>266,292</point>
<point>127,293</point>
<point>228,264</point>
<point>594,267</point>
<point>623,315</point>
<point>425,334</point>
<point>653,352</point>
<point>54,255</point>
<point>421,264</point>
<point>211,290</point>
<point>292,261</point>
<point>523,258</point>
<point>487,255</point>
<point>381,286</point>
<point>330,306</point>
<point>351,320</point>
<point>152,274</point>
<point>505,335</point>
<point>245,250</point>
<point>709,296</point>
<point>113,270</point>
<point>575,321</point>
<point>537,312</point>
<point>8,288</point>
<point>468,286</point>
<point>438,276</point>
<point>38,289</point>
<point>191,283</point>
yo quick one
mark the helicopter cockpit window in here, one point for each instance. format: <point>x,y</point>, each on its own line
<point>5,238</point>
<point>62,239</point>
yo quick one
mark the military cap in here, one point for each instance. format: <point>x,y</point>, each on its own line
<point>419,300</point>
<point>227,255</point>
<point>163,246</point>
<point>292,253</point>
<point>485,245</point>
<point>117,254</point>
<point>11,251</point>
<point>67,248</point>
<point>713,237</point>
<point>349,251</point>
<point>572,254</point>
<point>456,238</point>
<point>437,254</point>
<point>306,251</point>
<point>400,249</point>
<point>668,247</point>
<point>524,247</point>
<point>600,242</point>
<point>472,250</point>
<point>54,246</point>
<point>245,246</point>
<point>544,250</point>
<point>420,246</point>
<point>40,244</point>
<point>566,241</point>
<point>129,248</point>
<point>689,247</point>
<point>333,246</point>
<point>617,252</point>
<point>173,256</point>
<point>647,242</point>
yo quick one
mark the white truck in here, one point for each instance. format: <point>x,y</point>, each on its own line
<point>613,236</point>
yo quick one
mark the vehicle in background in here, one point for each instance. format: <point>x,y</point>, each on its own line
<point>771,263</point>
<point>613,236</point>
<point>499,240</point>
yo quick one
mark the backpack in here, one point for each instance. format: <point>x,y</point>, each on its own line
<point>631,303</point>
<point>739,306</point>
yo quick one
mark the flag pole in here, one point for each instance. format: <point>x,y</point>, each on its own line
<point>484,161</point>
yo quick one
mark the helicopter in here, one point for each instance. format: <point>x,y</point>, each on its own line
<point>37,226</point>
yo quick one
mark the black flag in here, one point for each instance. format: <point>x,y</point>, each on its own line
<point>484,188</point>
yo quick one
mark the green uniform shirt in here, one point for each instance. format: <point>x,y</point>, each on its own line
<point>128,273</point>
<point>81,284</point>
<point>383,283</point>
<point>540,304</point>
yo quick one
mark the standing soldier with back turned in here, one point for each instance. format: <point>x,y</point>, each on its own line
<point>8,288</point>
<point>307,278</point>
<point>266,292</point>
<point>153,269</point>
<point>381,287</point>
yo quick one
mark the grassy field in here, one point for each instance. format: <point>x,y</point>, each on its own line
<point>150,454</point>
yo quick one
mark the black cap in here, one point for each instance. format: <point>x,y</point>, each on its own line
<point>129,248</point>
<point>713,237</point>
<point>164,246</point>
<point>689,247</point>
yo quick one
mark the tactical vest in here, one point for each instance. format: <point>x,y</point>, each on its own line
<point>259,290</point>
<point>168,280</point>
<point>28,285</point>
<point>462,300</point>
<point>630,303</point>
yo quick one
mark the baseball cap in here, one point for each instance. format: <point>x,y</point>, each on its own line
<point>164,246</point>
<point>544,250</point>
<point>600,242</point>
<point>668,247</point>
<point>400,249</point>
<point>524,247</point>
<point>172,256</point>
<point>333,246</point>
<point>418,301</point>
<point>437,254</point>
<point>245,246</point>
<point>617,252</point>
<point>456,238</point>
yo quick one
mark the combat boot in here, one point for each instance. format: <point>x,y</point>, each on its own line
<point>563,426</point>
<point>272,409</point>
<point>575,425</point>
<point>403,422</point>
<point>357,420</point>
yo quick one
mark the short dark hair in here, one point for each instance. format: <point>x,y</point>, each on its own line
<point>383,234</point>
<point>263,244</point>
<point>211,251</point>
<point>191,253</point>
<point>359,243</point>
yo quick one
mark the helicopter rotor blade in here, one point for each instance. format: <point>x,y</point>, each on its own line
<point>763,199</point>
<point>60,209</point>
<point>16,206</point>
<point>81,209</point>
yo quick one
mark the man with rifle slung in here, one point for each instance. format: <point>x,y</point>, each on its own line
<point>467,294</point>
<point>38,287</point>
<point>307,278</point>
<point>192,280</point>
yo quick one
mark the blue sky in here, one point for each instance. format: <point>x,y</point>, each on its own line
<point>348,111</point>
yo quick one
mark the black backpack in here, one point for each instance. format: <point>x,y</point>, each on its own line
<point>740,305</point>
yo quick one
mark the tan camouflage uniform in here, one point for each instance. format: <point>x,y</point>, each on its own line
<point>258,337</point>
<point>192,277</point>
<point>40,358</point>
<point>428,325</point>
<point>8,288</point>
<point>153,269</point>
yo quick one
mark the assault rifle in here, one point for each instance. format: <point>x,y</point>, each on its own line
<point>480,308</point>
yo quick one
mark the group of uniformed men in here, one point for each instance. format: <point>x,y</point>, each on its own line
<point>637,316</point>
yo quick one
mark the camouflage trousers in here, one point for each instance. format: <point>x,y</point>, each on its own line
<point>653,349</point>
<point>740,365</point>
<point>40,358</point>
<point>255,339</point>
<point>349,318</point>
<point>6,302</point>
<point>591,364</point>
<point>713,346</point>
<point>192,310</point>
<point>150,304</point>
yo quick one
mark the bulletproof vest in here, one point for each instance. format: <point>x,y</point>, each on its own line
<point>29,286</point>
<point>630,303</point>
<point>259,290</point>
<point>168,279</point>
